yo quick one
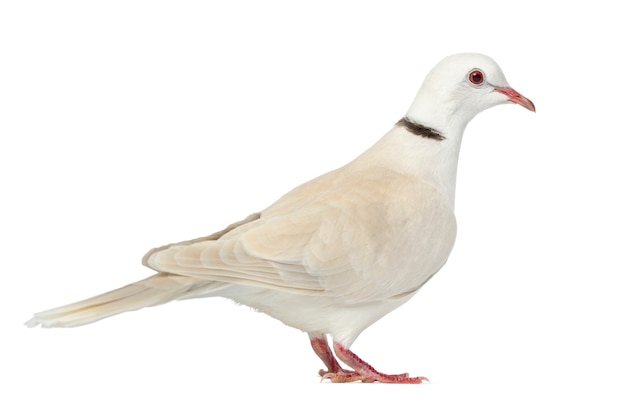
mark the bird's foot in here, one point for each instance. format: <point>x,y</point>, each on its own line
<point>364,371</point>
<point>347,376</point>
<point>341,376</point>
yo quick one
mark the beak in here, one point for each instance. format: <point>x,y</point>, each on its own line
<point>515,97</point>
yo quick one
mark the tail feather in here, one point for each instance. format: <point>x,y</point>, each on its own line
<point>155,290</point>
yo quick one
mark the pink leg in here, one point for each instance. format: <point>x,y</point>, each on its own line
<point>321,348</point>
<point>364,371</point>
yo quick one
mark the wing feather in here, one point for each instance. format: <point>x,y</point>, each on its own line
<point>341,239</point>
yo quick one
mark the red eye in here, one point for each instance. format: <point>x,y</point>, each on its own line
<point>476,77</point>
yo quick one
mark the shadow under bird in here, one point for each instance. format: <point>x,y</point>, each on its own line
<point>339,252</point>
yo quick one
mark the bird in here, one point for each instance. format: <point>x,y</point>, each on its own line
<point>339,252</point>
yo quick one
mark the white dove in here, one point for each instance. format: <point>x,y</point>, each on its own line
<point>337,253</point>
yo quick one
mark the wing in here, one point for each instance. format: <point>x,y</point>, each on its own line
<point>356,237</point>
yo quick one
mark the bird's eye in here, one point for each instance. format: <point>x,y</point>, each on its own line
<point>476,77</point>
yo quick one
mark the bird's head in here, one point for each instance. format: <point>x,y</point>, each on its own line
<point>458,88</point>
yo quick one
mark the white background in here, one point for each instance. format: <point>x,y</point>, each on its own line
<point>126,125</point>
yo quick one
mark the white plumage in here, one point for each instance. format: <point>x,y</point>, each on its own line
<point>337,253</point>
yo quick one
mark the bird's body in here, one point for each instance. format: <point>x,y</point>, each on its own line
<point>335,254</point>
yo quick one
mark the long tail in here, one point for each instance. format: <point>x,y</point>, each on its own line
<point>155,290</point>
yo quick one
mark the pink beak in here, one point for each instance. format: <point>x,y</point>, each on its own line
<point>515,97</point>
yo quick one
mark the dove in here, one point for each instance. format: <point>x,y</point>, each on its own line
<point>337,253</point>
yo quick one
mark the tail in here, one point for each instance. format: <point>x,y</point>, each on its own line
<point>155,290</point>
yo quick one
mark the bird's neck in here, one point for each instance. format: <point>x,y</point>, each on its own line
<point>440,110</point>
<point>420,151</point>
